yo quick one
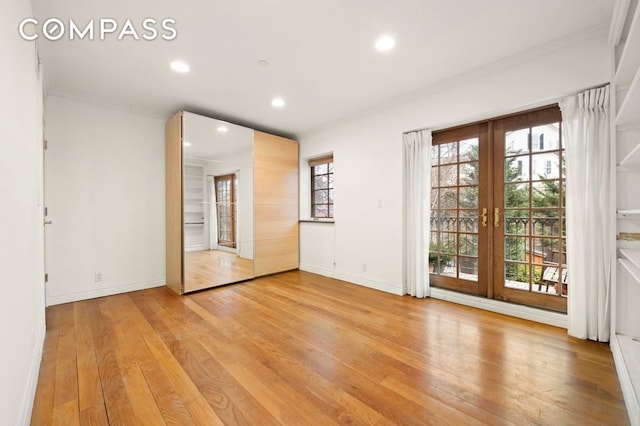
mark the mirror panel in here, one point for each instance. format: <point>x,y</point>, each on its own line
<point>217,202</point>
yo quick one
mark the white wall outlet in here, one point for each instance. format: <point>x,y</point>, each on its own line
<point>98,277</point>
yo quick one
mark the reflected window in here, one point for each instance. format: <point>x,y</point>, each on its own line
<point>322,187</point>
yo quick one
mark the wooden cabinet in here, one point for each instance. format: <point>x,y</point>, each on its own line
<point>625,317</point>
<point>273,242</point>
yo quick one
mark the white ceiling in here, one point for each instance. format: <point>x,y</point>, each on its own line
<point>320,53</point>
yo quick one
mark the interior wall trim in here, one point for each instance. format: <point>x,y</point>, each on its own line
<point>107,289</point>
<point>352,279</point>
<point>29,396</point>
<point>555,319</point>
<point>599,32</point>
<point>629,394</point>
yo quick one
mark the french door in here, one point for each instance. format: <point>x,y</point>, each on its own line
<point>497,210</point>
<point>226,210</point>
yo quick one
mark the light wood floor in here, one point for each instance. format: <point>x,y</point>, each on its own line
<point>299,349</point>
<point>211,268</point>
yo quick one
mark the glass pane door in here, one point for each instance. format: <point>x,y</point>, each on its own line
<point>457,238</point>
<point>226,202</point>
<point>530,242</point>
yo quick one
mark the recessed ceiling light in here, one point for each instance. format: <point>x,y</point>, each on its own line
<point>385,43</point>
<point>277,102</point>
<point>179,66</point>
<point>186,143</point>
<point>223,129</point>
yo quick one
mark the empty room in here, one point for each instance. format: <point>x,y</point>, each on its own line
<point>285,212</point>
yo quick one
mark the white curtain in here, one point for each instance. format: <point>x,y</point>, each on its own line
<point>213,213</point>
<point>589,173</point>
<point>417,210</point>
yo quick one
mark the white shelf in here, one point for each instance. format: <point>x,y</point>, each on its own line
<point>632,212</point>
<point>632,158</point>
<point>632,254</point>
<point>629,112</point>
<point>631,268</point>
<point>628,348</point>
<point>630,58</point>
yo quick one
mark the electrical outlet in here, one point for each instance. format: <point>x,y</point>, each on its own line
<point>98,277</point>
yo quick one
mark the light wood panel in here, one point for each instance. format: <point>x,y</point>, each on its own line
<point>276,232</point>
<point>298,348</point>
<point>174,219</point>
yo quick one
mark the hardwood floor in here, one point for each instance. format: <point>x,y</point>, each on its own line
<point>300,349</point>
<point>211,268</point>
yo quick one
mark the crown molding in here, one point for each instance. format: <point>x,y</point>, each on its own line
<point>121,107</point>
<point>620,10</point>
<point>477,73</point>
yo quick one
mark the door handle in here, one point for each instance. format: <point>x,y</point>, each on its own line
<point>496,217</point>
<point>485,218</point>
<point>48,222</point>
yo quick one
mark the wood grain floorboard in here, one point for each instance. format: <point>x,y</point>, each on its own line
<point>301,349</point>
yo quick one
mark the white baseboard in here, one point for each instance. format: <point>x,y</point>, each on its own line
<point>519,311</point>
<point>352,278</point>
<point>106,289</point>
<point>624,376</point>
<point>32,382</point>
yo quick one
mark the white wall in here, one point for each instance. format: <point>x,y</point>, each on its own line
<point>22,321</point>
<point>365,244</point>
<point>105,191</point>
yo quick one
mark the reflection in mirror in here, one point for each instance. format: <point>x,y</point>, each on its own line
<point>218,202</point>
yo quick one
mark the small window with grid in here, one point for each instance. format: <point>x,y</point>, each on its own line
<point>322,187</point>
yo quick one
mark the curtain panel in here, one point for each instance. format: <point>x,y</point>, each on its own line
<point>590,250</point>
<point>417,211</point>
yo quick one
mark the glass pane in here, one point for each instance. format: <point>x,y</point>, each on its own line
<point>545,222</point>
<point>330,199</point>
<point>516,195</point>
<point>448,220</point>
<point>468,220</point>
<point>546,137</point>
<point>448,198</point>
<point>320,182</point>
<point>516,169</point>
<point>546,166</point>
<point>516,142</point>
<point>434,199</point>
<point>516,222</point>
<point>448,265</point>
<point>448,243</point>
<point>448,153</point>
<point>435,172</point>
<point>468,244</point>
<point>320,169</point>
<point>516,276</point>
<point>469,197</point>
<point>449,175</point>
<point>330,210</point>
<point>515,248</point>
<point>468,268</point>
<point>331,180</point>
<point>330,167</point>
<point>435,155</point>
<point>545,194</point>
<point>320,211</point>
<point>320,197</point>
<point>469,173</point>
<point>469,149</point>
<point>545,250</point>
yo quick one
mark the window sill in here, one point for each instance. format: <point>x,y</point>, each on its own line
<point>317,221</point>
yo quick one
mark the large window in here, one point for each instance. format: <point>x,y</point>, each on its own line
<point>497,209</point>
<point>322,187</point>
